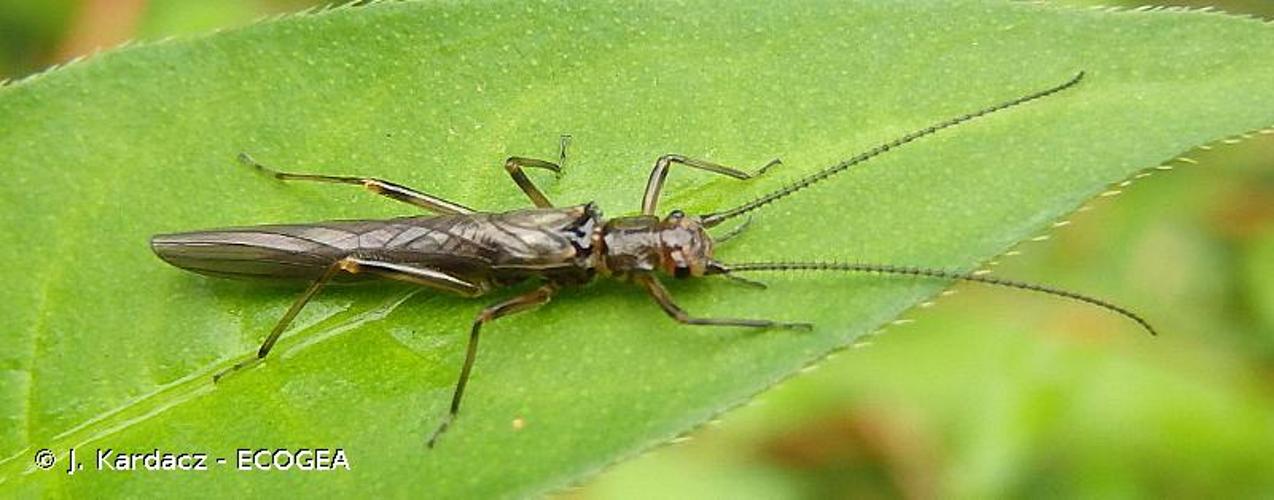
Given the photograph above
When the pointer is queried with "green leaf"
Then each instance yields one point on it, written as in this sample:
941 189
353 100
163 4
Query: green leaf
107 347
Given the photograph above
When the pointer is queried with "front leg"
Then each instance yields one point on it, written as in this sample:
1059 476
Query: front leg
655 184
664 299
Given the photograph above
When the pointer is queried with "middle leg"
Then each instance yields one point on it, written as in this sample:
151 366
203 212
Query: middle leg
515 164
529 300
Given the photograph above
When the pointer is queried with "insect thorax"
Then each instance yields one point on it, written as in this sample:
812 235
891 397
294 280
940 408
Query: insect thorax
677 246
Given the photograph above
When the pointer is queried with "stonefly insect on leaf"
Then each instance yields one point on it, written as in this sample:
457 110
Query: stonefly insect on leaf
470 253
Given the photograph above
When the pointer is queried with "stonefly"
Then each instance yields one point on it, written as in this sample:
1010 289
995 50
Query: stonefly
470 253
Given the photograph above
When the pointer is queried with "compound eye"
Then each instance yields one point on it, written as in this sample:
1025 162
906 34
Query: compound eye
676 215
681 272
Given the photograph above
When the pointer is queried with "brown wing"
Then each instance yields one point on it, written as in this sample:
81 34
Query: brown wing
280 251
469 245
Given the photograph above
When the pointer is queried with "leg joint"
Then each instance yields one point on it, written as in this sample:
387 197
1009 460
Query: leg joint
671 158
374 185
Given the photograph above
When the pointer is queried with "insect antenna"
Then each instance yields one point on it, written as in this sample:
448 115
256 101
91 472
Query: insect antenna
715 218
719 268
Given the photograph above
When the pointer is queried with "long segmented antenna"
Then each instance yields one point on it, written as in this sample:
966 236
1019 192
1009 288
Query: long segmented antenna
718 268
715 218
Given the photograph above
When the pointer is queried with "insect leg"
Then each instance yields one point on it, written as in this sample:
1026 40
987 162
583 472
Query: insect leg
514 166
402 272
381 187
520 303
285 320
664 299
417 275
660 172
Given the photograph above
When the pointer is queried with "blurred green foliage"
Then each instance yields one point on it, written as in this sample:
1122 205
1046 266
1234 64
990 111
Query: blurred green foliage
32 32
29 32
989 393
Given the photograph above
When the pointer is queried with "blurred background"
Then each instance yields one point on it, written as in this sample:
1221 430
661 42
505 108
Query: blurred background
988 393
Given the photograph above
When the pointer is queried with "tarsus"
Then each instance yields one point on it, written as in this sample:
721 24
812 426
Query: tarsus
931 273
715 218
